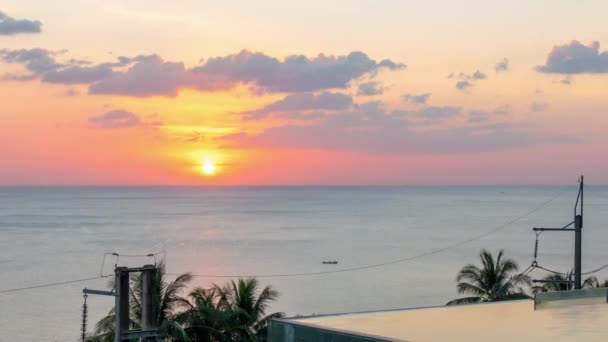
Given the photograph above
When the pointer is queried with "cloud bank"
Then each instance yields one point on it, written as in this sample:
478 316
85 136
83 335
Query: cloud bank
152 76
370 127
302 102
295 73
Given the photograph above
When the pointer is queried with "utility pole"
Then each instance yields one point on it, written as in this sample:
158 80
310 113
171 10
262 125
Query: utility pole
578 238
122 321
121 303
149 301
148 331
84 318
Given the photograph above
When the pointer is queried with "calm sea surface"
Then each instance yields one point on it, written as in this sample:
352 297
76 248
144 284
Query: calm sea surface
57 234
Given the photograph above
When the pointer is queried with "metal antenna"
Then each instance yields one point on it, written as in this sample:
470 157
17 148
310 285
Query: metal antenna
578 240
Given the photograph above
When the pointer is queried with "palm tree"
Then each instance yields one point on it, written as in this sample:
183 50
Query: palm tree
563 282
558 282
593 282
169 299
234 312
496 280
248 308
205 319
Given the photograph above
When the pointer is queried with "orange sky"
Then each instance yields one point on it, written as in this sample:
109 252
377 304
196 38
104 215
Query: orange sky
394 92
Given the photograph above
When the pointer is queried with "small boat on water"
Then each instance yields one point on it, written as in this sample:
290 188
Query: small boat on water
329 262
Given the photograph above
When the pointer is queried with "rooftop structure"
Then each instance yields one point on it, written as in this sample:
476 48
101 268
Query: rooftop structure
567 316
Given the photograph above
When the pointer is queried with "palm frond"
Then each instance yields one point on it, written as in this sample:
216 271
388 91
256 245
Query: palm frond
465 300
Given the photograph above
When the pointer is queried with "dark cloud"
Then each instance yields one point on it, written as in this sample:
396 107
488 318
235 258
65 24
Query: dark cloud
42 63
417 99
502 65
463 85
437 113
150 75
479 116
119 119
466 81
296 73
300 102
77 74
10 25
477 75
538 107
370 89
576 58
371 128
37 60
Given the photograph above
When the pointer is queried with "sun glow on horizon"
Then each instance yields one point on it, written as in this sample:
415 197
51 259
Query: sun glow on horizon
208 168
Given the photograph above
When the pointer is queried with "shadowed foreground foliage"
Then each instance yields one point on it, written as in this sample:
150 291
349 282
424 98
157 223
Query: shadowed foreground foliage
498 280
234 312
563 282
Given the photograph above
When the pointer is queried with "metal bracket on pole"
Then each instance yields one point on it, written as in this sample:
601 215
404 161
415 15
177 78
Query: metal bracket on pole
578 231
99 292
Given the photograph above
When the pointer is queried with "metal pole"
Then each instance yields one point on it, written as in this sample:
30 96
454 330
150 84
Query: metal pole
149 301
84 319
582 190
578 242
121 303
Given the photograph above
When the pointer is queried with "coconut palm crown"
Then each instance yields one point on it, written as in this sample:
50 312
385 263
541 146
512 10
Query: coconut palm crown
496 280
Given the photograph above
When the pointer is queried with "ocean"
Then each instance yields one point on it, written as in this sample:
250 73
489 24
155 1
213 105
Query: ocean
403 245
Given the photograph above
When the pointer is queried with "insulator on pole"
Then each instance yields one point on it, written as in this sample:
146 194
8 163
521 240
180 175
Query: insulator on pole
536 247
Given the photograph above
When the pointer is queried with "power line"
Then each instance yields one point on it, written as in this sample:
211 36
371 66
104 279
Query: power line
51 284
565 274
406 259
596 270
118 255
100 276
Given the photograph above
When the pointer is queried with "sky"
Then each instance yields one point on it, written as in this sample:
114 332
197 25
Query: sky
311 92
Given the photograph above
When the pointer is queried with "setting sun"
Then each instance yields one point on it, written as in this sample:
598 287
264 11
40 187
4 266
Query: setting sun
208 168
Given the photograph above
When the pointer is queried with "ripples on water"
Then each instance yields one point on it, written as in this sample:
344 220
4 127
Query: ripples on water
54 234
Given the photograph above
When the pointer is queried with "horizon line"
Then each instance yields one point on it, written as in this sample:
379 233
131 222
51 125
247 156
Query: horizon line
56 185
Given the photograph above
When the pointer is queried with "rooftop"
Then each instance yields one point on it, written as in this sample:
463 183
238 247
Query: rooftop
582 319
